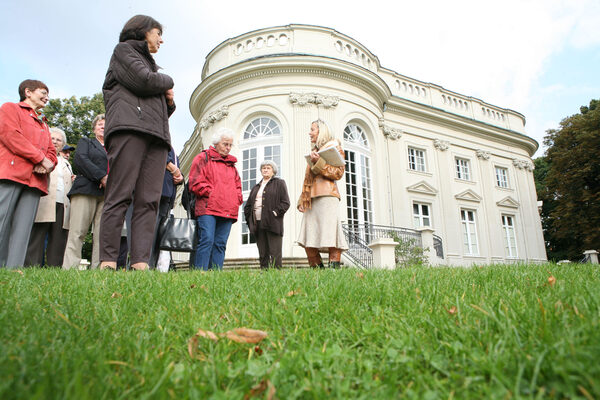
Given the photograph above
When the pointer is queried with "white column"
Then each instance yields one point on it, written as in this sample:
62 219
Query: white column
592 255
384 255
427 242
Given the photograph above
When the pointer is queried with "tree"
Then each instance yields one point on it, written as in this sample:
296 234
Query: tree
569 185
74 116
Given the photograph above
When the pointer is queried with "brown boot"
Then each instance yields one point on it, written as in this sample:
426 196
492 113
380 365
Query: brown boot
335 255
314 258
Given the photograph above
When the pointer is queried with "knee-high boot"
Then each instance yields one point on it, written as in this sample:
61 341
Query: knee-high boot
335 255
314 258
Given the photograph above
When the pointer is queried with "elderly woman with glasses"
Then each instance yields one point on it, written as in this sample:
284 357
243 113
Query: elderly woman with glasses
27 157
87 195
215 182
267 203
52 218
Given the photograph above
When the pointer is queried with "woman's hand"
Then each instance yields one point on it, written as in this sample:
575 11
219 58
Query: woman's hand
103 181
170 96
301 209
314 156
177 176
44 167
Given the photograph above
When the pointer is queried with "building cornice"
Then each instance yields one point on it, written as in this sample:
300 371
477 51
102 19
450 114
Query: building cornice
287 64
475 127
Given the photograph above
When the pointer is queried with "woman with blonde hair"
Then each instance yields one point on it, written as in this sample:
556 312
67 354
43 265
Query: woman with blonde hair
321 228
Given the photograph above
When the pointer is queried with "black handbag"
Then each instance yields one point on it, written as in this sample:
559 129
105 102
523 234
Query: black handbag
178 234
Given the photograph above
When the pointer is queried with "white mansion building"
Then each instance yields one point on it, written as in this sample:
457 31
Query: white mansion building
418 156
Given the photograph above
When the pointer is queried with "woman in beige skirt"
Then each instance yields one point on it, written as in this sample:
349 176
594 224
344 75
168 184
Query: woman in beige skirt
321 229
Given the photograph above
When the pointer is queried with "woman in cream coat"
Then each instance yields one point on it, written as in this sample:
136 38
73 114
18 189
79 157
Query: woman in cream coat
52 218
321 229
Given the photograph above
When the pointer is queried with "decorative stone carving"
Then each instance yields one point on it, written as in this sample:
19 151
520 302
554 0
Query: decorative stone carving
483 155
303 99
388 131
441 145
523 164
214 116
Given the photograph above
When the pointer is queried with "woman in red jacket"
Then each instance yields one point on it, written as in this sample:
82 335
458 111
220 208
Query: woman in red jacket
218 189
27 156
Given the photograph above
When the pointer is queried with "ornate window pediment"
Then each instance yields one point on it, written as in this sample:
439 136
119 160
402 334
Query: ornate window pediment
508 202
422 188
468 195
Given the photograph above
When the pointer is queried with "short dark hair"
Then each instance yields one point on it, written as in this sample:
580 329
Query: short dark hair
137 27
30 84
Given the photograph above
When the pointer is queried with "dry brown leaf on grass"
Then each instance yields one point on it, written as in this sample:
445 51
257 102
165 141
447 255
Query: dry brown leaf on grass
207 334
240 335
293 292
116 295
258 390
452 310
19 272
551 280
245 335
193 286
360 275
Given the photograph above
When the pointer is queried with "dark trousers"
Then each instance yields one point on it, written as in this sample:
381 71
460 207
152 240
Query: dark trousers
136 163
163 211
57 241
269 247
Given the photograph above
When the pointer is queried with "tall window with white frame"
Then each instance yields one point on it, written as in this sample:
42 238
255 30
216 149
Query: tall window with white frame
261 141
502 177
463 169
421 215
508 232
358 177
469 230
416 159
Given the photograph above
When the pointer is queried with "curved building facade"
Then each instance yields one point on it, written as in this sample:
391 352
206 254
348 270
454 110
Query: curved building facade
418 156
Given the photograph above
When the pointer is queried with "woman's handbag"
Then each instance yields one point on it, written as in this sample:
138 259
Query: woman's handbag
178 234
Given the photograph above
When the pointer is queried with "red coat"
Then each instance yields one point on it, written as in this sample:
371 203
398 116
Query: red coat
216 184
24 142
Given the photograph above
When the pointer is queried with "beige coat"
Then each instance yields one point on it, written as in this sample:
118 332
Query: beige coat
46 211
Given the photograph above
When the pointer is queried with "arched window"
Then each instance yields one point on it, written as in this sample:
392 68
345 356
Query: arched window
261 141
359 198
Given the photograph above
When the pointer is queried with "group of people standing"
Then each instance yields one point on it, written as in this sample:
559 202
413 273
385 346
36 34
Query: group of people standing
117 171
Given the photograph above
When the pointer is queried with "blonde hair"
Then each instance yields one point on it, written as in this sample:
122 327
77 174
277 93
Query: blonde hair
325 134
97 119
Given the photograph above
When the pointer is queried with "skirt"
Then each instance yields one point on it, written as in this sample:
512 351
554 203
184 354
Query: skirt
321 226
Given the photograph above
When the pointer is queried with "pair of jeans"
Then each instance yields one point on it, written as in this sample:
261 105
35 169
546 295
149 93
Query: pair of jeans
213 233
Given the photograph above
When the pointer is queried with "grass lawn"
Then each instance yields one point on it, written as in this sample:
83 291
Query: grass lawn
524 331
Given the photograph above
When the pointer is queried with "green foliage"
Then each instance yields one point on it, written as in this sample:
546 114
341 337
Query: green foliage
478 333
408 252
73 115
569 185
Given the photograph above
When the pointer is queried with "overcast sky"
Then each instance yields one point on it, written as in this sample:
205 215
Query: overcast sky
539 57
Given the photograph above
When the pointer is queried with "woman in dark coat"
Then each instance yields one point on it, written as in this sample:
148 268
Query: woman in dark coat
139 101
87 196
264 210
